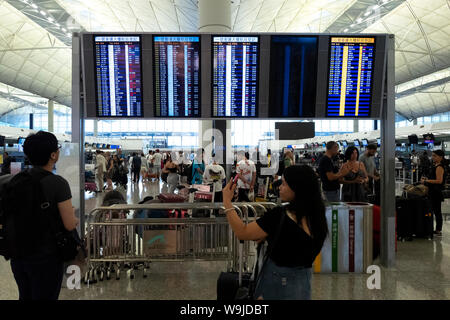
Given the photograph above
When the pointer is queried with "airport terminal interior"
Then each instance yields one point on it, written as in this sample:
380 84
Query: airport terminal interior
158 104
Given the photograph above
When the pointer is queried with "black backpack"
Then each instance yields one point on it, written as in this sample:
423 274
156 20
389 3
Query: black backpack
24 216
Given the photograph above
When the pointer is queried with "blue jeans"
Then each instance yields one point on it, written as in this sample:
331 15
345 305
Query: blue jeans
284 283
332 196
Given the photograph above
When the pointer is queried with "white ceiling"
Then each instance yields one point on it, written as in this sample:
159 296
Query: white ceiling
32 59
422 30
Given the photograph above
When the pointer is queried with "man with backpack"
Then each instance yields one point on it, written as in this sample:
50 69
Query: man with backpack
36 206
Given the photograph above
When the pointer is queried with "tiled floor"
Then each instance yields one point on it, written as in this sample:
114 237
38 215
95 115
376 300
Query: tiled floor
422 271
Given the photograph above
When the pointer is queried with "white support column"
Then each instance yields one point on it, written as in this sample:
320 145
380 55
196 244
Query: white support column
50 118
355 126
204 126
214 15
387 130
96 128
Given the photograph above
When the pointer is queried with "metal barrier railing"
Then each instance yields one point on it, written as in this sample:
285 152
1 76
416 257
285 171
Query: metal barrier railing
128 235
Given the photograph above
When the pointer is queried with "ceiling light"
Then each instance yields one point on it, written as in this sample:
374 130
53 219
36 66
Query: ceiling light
64 29
33 5
359 20
375 7
352 25
57 24
50 19
43 13
367 13
69 35
346 30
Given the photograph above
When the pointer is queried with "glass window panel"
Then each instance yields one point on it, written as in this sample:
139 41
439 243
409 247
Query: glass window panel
159 126
151 125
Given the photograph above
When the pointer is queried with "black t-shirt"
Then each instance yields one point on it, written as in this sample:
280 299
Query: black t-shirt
56 189
294 247
327 165
136 163
6 166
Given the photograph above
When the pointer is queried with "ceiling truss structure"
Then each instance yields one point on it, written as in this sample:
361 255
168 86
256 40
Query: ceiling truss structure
35 53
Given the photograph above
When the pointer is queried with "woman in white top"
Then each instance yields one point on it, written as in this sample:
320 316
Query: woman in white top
144 167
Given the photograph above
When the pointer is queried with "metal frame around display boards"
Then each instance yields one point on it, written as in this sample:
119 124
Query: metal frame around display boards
387 133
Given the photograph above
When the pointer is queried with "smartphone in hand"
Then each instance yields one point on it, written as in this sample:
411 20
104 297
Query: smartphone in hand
235 180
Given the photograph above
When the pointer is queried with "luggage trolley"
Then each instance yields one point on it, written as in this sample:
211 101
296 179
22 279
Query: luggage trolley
116 240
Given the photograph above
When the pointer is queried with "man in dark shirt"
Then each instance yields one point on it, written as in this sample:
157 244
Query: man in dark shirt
39 275
136 168
330 174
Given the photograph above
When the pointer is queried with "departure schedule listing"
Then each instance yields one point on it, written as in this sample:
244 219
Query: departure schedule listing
350 77
118 72
177 76
235 76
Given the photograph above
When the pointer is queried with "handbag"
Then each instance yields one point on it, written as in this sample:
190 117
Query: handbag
247 293
69 245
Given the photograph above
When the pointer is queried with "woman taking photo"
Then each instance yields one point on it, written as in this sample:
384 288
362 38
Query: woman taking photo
435 186
353 189
287 273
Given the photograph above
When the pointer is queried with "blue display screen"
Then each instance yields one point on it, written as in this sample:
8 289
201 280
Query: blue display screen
118 76
293 70
176 65
356 143
235 76
350 77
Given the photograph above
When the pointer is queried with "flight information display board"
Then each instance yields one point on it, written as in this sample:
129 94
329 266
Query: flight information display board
350 76
176 65
118 76
293 69
235 76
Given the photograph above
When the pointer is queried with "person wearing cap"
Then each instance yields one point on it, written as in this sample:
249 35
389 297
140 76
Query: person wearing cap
295 232
39 273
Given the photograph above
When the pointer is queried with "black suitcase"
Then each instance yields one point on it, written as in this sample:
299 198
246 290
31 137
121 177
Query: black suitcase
405 228
414 218
228 283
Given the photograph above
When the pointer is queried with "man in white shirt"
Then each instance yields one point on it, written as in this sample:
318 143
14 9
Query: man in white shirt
157 163
183 163
246 171
215 173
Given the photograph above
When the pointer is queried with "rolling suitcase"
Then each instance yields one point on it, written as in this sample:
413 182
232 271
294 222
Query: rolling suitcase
229 283
405 226
414 218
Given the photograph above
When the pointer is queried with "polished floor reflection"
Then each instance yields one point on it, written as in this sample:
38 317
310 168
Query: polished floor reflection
422 271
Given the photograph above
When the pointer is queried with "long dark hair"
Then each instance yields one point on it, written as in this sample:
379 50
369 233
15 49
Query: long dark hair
441 154
349 152
308 200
